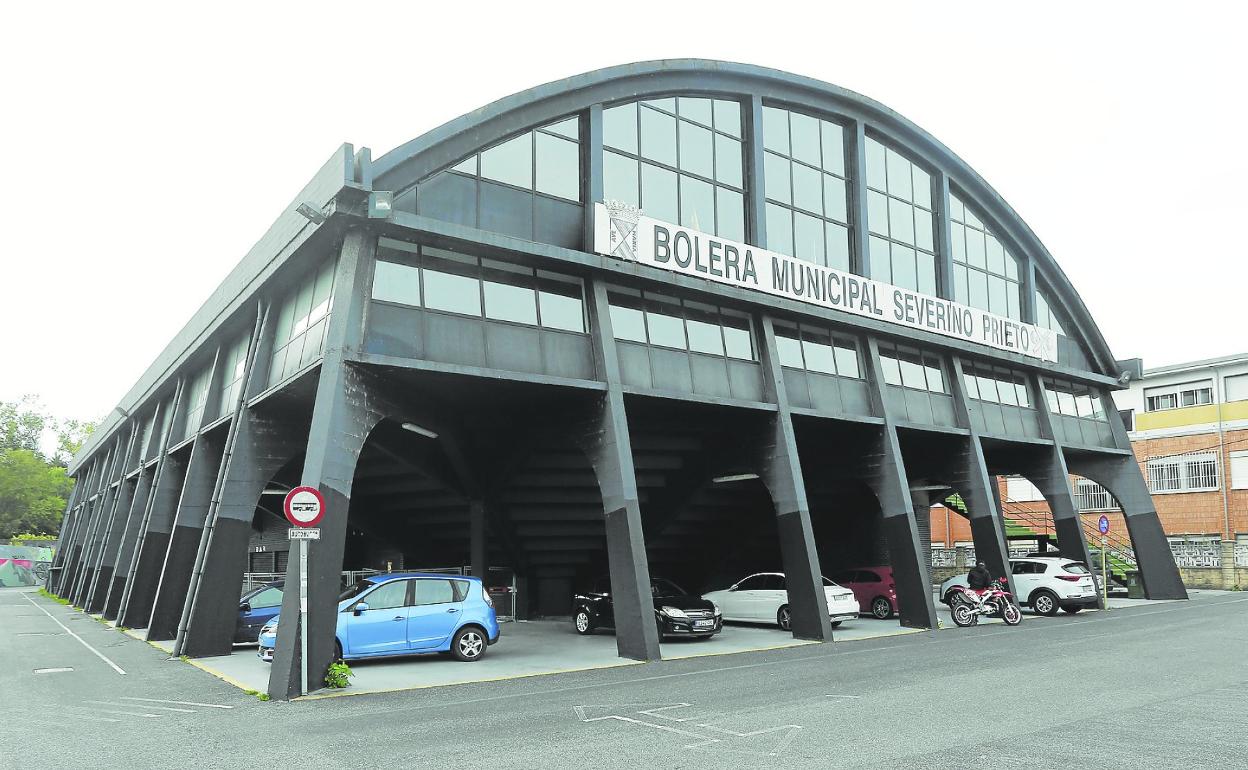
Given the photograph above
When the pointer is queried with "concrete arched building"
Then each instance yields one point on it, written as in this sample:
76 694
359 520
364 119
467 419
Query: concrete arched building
685 316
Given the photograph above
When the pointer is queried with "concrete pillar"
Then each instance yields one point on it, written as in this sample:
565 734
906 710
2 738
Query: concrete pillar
154 539
1227 564
782 475
128 542
608 445
103 579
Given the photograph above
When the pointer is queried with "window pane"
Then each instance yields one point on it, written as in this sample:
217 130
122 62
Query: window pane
619 178
730 214
807 188
995 255
695 109
819 357
926 265
728 117
876 174
1006 392
978 289
923 234
658 136
737 342
971 384
665 330
804 135
697 204
846 360
996 295
562 311
834 200
776 177
696 154
558 167
899 179
619 127
901 221
790 351
935 378
728 160
510 162
808 238
658 193
387 596
904 270
396 283
833 147
912 374
922 187
433 592
776 130
504 302
975 256
881 261
628 323
892 369
453 293
837 253
877 212
705 337
779 229
570 128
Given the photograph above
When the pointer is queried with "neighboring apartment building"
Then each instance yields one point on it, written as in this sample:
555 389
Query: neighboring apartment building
1188 425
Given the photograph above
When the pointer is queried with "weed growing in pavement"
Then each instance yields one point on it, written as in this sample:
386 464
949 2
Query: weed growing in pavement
184 658
338 675
258 694
48 595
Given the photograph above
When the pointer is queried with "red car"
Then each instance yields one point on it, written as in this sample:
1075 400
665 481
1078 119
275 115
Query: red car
873 587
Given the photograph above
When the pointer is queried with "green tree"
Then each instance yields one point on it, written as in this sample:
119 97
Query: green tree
22 424
70 436
32 493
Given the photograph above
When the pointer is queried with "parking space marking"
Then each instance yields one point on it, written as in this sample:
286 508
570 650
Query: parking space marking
855 697
98 654
178 702
129 705
53 670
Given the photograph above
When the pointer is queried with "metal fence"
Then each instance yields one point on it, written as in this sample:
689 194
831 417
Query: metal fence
1197 554
944 557
1241 554
253 580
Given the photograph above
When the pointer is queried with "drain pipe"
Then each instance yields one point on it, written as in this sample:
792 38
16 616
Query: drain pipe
214 505
1224 470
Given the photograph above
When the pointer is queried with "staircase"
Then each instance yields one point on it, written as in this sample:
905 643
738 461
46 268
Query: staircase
1024 524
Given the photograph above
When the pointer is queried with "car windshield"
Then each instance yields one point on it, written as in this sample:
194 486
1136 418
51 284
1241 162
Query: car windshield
355 590
661 587
829 584
1075 568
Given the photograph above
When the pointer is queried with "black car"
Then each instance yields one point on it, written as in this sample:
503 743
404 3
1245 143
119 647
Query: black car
676 612
257 607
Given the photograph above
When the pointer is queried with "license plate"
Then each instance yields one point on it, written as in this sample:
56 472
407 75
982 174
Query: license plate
703 624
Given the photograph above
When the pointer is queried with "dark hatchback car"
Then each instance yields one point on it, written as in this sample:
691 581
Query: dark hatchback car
257 607
676 611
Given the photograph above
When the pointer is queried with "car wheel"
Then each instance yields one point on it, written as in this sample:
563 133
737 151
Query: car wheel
583 622
835 623
881 608
1071 610
1044 602
784 618
469 644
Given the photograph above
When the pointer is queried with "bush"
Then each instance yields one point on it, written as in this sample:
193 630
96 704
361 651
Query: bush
338 675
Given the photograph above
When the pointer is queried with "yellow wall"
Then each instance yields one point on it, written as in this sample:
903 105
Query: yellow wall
1191 415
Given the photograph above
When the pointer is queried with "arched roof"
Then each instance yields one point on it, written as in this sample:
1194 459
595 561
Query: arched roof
417 159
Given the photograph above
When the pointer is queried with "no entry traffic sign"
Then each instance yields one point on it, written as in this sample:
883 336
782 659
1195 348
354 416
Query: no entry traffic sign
1102 525
304 506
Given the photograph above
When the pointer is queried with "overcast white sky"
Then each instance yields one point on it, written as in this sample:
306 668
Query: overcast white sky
149 147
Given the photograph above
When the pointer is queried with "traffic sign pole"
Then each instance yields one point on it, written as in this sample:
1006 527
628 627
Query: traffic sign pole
1103 526
304 508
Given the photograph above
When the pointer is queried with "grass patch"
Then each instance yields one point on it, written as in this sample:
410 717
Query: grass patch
48 595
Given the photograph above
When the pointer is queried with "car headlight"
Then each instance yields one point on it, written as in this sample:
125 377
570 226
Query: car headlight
674 612
269 628
715 606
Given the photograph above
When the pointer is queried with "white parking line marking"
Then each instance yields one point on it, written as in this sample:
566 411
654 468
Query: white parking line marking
52 670
179 703
131 713
127 705
98 654
855 697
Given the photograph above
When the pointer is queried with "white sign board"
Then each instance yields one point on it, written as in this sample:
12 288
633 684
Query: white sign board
621 231
297 533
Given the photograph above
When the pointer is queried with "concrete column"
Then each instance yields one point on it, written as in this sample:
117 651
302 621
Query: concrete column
885 472
101 520
1227 564
608 445
128 542
1121 476
64 536
782 475
106 564
348 405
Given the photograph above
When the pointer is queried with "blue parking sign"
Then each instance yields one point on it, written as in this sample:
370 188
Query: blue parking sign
1103 524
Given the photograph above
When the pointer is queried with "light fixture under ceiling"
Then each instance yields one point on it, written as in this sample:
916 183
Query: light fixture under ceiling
414 428
734 477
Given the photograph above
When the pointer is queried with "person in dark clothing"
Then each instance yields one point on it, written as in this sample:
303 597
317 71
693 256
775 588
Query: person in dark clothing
979 577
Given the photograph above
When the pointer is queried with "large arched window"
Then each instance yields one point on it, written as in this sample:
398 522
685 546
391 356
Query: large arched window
899 216
985 274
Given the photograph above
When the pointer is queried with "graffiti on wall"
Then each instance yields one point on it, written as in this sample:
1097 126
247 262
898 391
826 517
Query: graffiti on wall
24 565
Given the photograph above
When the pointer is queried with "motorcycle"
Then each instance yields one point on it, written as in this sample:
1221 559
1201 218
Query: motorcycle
995 601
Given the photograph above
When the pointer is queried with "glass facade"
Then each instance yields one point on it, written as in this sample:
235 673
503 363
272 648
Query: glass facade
817 349
680 160
1073 399
546 160
806 185
995 384
670 322
436 279
985 275
912 368
1045 317
196 398
301 323
899 217
234 364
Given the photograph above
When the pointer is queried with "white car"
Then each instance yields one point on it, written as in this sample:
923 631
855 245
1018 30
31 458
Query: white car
763 598
1044 583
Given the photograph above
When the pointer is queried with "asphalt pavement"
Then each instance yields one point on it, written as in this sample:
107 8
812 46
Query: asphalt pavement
1158 686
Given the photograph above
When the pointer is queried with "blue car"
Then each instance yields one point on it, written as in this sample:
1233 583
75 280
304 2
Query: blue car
257 607
406 614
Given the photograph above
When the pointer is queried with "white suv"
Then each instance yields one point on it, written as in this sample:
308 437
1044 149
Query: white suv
1043 583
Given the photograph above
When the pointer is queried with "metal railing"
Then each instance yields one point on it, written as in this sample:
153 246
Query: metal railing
253 580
